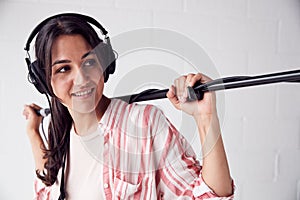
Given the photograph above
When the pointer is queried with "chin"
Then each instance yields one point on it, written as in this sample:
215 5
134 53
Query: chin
85 107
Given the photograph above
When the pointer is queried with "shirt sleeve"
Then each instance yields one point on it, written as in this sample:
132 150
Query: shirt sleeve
41 191
180 173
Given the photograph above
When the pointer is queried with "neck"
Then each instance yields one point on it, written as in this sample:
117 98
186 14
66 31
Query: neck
85 123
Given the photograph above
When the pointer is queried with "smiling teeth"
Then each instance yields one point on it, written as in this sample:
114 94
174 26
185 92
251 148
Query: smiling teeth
79 94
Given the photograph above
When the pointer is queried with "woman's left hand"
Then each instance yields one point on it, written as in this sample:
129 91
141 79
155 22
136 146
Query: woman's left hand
215 169
177 94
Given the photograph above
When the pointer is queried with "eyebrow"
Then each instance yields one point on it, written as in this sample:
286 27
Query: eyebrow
60 62
68 61
87 54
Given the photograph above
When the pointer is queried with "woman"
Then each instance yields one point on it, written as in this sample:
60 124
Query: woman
139 154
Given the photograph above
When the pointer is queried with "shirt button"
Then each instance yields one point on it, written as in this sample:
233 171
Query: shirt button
105 185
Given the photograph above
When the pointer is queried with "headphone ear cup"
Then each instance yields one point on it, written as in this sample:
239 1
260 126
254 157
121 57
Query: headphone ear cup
107 59
37 78
111 62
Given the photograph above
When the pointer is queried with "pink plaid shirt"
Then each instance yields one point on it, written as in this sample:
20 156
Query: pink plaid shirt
144 157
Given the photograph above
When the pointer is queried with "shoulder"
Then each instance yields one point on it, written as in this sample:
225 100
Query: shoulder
133 116
135 110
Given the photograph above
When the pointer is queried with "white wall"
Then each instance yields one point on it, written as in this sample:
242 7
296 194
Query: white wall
242 37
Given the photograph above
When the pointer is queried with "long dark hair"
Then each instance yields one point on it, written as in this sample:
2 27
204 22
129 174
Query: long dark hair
61 120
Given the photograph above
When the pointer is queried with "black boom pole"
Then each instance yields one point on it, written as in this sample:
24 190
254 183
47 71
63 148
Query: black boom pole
219 84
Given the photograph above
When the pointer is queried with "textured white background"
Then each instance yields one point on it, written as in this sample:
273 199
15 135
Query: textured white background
242 37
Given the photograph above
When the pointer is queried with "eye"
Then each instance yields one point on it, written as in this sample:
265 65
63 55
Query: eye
63 69
89 63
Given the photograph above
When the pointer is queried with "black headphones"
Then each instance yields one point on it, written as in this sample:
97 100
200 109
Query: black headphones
35 74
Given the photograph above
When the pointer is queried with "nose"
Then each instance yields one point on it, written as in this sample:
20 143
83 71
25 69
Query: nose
81 77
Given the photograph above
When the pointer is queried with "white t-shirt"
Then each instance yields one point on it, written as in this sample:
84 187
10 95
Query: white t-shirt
84 169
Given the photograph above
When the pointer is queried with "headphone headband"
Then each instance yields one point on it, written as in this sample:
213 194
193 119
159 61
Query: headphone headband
36 75
85 17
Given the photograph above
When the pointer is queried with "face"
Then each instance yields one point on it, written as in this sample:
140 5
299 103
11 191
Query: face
77 77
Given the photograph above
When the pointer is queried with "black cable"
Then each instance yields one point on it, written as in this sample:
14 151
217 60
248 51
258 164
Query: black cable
42 124
62 195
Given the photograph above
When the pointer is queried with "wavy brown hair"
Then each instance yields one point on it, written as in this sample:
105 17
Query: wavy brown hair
61 120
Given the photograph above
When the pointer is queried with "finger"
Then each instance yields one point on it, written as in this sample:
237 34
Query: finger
205 78
189 78
25 112
27 108
35 107
180 88
172 97
194 78
171 92
30 110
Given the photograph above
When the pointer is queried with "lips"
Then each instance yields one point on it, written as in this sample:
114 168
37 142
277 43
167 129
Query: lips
83 93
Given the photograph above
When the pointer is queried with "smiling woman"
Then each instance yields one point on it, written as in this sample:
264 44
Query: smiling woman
55 72
137 152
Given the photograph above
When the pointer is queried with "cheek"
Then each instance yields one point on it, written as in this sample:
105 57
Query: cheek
98 78
60 87
100 85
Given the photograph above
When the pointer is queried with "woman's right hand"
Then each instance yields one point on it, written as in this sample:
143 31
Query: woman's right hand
37 144
33 119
